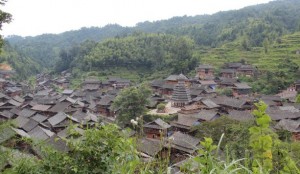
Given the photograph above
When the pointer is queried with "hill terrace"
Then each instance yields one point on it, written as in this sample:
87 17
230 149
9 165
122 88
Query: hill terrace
45 114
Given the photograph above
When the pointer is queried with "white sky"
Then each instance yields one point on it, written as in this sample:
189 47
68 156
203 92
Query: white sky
35 17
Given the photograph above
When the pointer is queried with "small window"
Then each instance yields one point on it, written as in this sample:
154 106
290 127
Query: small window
206 71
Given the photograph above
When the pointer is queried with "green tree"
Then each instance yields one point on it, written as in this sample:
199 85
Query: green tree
266 45
298 98
4 18
131 103
103 149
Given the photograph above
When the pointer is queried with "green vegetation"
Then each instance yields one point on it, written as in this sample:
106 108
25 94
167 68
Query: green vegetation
131 102
24 66
106 149
4 18
266 36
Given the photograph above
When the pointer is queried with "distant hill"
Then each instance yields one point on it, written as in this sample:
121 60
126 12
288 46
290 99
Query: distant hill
45 48
265 35
254 24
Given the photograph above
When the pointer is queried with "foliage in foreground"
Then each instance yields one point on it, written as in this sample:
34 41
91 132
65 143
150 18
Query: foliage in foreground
103 150
106 149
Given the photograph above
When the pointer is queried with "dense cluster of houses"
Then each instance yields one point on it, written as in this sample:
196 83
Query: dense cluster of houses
45 114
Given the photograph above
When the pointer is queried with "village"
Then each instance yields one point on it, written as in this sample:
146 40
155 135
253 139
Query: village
44 114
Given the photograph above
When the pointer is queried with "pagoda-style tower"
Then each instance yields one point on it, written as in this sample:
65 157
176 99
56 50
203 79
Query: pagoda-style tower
181 94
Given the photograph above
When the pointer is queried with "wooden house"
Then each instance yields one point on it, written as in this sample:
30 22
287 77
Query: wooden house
205 72
62 83
167 89
91 84
233 65
228 103
157 85
182 146
103 107
272 100
13 91
149 148
6 115
290 125
4 98
228 73
60 121
246 70
156 129
241 89
122 83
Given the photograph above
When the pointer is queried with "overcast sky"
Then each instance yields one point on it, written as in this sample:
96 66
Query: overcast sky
35 17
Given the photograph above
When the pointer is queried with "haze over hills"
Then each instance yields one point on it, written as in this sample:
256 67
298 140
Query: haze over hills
262 35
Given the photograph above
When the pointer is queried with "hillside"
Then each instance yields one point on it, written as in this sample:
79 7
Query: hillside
24 66
45 48
265 35
254 23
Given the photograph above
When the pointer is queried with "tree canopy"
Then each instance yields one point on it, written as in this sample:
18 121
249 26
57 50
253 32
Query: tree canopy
131 103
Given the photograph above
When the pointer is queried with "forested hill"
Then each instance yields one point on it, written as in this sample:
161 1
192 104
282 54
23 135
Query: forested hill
265 35
45 48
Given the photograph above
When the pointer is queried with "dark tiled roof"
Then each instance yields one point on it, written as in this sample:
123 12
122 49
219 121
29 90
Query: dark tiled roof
176 77
229 102
157 83
234 65
289 125
39 118
60 107
91 86
40 133
21 121
7 114
65 133
242 86
14 102
185 122
150 147
207 115
240 115
246 68
58 118
209 104
19 99
207 82
68 91
232 71
26 113
168 86
57 143
41 107
204 67
277 114
106 100
184 142
228 81
31 124
157 124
